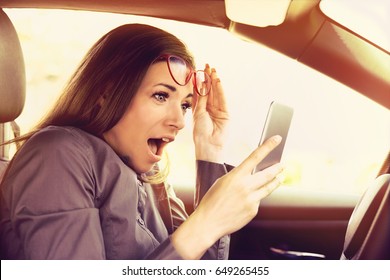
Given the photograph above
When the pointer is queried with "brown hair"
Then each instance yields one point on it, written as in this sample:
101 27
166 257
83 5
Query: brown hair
113 68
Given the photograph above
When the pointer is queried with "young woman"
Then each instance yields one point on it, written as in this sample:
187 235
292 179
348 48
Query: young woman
86 185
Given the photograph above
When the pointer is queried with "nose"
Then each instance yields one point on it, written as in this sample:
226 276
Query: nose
176 117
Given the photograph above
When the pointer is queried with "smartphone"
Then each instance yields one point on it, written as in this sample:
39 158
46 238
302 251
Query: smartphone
277 123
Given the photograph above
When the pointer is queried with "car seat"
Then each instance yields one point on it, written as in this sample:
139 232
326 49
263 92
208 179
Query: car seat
12 81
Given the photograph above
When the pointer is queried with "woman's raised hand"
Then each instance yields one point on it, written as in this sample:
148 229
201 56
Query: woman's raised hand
210 119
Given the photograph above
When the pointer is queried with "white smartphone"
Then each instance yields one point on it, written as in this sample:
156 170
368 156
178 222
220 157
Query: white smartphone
277 123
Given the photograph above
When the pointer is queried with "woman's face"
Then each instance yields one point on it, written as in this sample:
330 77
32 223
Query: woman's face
152 120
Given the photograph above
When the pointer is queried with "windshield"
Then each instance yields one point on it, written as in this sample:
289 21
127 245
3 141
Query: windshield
337 137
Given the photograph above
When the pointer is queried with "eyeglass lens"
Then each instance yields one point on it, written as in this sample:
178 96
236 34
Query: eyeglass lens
179 70
202 82
181 73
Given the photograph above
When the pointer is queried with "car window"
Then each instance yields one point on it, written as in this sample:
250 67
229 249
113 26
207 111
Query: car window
338 138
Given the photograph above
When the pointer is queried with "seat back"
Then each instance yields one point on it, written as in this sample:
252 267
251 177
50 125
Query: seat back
12 82
12 72
368 232
12 77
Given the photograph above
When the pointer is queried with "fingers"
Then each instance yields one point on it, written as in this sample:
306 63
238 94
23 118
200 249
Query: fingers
215 100
268 188
199 103
217 96
259 154
212 94
267 175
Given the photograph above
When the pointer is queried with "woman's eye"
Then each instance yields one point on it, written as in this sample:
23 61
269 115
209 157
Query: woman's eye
161 96
186 106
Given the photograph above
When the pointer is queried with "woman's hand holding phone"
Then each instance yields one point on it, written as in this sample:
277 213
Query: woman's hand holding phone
231 203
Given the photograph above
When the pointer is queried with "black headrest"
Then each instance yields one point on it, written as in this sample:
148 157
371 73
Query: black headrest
12 72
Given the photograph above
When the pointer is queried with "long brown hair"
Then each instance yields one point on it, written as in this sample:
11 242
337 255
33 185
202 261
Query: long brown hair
113 68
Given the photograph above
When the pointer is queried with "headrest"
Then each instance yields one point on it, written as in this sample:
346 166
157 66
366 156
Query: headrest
12 72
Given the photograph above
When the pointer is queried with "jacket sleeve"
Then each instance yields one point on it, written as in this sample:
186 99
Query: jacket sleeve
52 208
207 174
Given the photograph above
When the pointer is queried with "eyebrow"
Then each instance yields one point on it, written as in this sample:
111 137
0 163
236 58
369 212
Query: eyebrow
172 88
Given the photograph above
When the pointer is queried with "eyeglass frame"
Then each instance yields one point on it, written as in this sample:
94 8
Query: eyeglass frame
191 74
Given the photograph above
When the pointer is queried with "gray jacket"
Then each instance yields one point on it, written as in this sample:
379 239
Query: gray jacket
68 195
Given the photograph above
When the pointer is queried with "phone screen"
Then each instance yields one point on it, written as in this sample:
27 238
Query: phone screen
277 123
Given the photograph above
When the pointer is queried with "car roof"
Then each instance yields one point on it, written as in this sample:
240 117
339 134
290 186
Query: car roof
306 35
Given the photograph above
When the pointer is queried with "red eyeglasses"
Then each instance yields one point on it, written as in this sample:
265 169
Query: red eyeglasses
182 73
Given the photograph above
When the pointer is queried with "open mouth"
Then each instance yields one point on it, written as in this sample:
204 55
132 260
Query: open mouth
156 145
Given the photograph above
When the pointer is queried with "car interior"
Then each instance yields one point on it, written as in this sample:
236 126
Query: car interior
292 223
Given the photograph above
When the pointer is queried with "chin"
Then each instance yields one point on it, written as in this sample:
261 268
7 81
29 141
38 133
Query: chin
139 169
